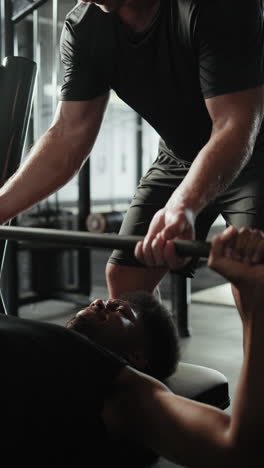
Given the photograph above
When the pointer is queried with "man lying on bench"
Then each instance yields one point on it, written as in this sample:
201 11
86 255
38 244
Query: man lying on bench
54 390
54 380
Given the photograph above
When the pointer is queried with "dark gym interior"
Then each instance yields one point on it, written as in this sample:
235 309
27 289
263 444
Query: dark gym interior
48 283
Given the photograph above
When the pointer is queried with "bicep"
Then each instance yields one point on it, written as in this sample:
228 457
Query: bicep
242 110
80 119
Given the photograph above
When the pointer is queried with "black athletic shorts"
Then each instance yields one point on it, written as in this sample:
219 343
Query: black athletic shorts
241 205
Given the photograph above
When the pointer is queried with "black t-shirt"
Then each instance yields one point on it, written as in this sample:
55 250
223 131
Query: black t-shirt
53 384
194 49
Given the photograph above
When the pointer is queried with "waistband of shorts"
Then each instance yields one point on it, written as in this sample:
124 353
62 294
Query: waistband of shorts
165 149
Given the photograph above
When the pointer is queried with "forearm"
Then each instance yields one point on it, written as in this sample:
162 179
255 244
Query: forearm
247 427
52 162
238 257
214 169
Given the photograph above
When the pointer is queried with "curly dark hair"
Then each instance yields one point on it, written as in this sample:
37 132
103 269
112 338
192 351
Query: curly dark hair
162 342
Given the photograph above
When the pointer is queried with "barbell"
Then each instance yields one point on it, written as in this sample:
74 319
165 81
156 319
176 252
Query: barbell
80 239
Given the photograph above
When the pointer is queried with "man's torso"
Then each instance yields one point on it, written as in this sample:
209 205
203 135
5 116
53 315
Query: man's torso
166 73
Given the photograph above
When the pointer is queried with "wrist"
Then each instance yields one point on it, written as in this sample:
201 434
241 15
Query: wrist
176 207
180 202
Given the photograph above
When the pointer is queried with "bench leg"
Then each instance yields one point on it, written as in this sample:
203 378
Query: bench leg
180 300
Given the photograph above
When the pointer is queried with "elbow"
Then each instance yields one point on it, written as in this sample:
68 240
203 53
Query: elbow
242 453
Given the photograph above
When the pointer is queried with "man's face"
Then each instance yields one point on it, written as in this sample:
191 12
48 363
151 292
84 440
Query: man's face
112 323
107 5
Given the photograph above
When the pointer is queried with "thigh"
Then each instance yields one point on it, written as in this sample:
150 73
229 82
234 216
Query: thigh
152 193
242 204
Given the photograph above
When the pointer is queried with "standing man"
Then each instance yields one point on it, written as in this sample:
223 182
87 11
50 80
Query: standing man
194 70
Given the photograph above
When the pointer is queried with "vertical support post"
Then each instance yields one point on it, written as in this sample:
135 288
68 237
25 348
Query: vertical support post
180 300
6 29
55 49
7 250
36 58
139 146
54 55
10 280
84 209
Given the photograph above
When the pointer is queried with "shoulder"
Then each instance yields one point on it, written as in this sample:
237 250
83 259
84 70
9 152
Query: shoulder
83 19
218 21
81 33
185 14
212 11
79 13
220 15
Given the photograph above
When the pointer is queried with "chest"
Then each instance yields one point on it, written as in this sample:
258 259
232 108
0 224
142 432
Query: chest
156 67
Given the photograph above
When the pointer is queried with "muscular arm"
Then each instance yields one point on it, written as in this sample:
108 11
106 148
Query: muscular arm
236 119
231 79
55 158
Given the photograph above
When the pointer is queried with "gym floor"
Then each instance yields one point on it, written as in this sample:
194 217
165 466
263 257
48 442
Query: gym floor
215 340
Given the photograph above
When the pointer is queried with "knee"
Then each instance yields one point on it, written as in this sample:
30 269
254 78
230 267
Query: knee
112 272
116 279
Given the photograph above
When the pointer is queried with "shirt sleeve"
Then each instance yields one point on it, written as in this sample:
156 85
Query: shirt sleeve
230 38
81 57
